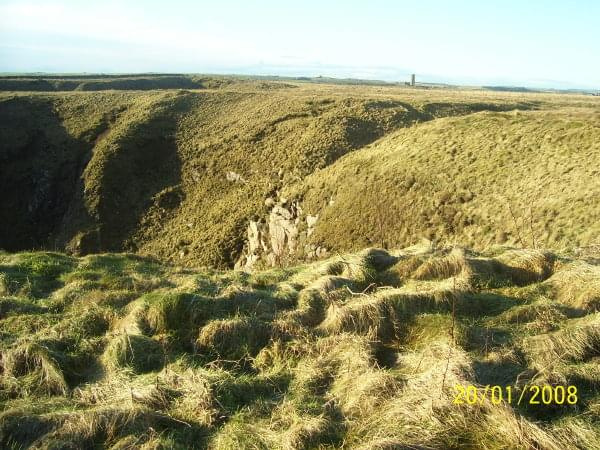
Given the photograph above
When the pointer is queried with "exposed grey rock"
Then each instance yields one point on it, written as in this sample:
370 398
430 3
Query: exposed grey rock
283 230
234 177
256 237
321 252
311 221
276 238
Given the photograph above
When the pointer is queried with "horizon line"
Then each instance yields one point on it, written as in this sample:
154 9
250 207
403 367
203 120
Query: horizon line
435 80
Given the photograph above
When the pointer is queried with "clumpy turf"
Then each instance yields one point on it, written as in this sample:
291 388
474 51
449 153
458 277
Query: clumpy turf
361 350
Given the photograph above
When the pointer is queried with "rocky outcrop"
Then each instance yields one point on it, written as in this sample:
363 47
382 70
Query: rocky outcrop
234 177
280 238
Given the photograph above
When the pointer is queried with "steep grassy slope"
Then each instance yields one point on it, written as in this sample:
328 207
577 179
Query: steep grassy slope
359 351
180 174
524 178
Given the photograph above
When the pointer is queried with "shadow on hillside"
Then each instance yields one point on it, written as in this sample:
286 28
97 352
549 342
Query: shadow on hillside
437 110
39 169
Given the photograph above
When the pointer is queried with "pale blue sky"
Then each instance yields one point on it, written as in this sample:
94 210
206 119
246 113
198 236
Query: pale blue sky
527 43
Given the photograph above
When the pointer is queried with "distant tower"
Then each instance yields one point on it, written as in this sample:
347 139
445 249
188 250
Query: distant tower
412 79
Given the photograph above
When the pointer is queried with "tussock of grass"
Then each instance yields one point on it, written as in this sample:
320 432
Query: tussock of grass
137 352
305 432
17 306
196 401
130 273
527 266
385 313
580 433
364 266
280 356
358 385
452 265
428 329
106 425
470 271
235 338
540 317
35 367
18 428
371 317
311 307
401 417
406 266
577 341
167 313
578 285
135 320
32 275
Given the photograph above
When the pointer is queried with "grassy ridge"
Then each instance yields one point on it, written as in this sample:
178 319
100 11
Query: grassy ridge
91 83
362 350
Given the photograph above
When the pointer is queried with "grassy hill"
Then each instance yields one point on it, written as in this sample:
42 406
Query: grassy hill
521 177
362 350
184 175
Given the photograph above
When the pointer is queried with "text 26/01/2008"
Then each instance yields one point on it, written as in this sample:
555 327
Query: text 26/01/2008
531 394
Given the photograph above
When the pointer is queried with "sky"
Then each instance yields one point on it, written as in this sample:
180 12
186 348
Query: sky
519 43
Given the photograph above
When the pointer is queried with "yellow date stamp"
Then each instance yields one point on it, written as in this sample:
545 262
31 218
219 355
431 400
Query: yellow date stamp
528 395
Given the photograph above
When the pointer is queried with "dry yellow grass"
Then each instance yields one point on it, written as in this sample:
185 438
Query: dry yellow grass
321 355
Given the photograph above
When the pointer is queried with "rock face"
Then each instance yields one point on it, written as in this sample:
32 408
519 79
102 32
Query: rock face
280 237
256 244
283 229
